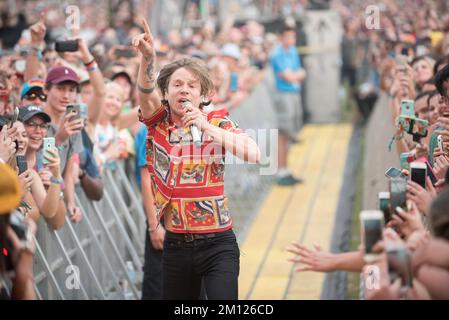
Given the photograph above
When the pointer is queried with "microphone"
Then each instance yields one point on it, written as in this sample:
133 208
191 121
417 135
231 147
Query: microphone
193 128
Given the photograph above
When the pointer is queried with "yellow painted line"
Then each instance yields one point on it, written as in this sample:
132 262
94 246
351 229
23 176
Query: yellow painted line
258 238
308 285
274 277
265 272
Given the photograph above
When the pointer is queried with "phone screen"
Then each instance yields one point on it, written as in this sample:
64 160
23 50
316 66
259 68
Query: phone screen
372 232
384 206
398 190
418 175
21 164
393 173
64 46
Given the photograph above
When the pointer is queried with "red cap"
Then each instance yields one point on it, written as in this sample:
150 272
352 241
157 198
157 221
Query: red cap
61 74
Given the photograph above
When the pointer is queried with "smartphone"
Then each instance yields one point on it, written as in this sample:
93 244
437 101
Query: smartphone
372 225
66 46
418 173
49 144
125 53
440 142
80 110
384 205
399 264
398 193
407 108
22 164
402 59
394 173
15 116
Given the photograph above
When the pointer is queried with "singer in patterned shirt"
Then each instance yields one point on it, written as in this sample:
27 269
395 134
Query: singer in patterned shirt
187 181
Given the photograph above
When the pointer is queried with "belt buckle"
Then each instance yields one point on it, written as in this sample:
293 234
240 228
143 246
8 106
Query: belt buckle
188 237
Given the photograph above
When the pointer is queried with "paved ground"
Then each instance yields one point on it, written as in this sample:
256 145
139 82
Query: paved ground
303 213
377 157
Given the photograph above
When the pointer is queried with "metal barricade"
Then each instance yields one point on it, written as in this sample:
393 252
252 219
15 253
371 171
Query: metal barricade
92 259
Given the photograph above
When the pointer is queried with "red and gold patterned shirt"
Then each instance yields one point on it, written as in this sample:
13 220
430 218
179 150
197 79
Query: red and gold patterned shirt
188 182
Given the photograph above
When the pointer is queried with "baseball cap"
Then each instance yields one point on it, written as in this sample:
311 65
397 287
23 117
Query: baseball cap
231 50
60 74
27 112
31 84
116 71
9 189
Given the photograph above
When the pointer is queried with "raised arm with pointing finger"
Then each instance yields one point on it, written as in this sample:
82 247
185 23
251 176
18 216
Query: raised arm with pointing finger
149 98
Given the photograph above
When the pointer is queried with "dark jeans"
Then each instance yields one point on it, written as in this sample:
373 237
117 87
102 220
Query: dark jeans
214 260
152 272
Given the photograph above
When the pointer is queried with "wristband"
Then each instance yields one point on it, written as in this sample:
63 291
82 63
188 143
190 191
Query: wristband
149 229
56 180
90 62
38 52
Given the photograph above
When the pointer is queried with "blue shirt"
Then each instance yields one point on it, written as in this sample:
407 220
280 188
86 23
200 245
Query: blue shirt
282 60
141 152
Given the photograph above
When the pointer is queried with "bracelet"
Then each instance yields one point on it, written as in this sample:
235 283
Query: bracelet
149 229
145 90
56 180
90 62
37 50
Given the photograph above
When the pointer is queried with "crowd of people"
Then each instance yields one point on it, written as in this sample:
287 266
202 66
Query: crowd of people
408 61
69 109
71 100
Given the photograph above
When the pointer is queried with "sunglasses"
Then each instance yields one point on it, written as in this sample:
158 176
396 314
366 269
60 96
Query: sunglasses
34 96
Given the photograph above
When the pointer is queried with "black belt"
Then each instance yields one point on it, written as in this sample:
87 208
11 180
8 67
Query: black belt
189 237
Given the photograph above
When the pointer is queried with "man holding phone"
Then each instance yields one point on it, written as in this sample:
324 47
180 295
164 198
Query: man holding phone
61 87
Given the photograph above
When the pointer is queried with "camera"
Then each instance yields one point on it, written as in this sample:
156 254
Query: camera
80 110
384 205
372 224
66 46
418 173
398 191
408 108
125 52
49 144
409 123
22 164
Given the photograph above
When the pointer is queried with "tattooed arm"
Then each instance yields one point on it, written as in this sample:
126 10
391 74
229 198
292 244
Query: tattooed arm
146 81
